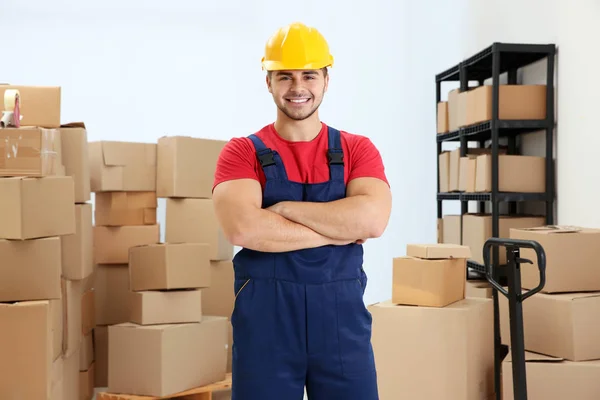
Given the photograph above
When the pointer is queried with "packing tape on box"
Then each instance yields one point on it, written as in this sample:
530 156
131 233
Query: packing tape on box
10 99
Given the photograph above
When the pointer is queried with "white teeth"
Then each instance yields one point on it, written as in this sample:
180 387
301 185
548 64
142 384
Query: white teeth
298 100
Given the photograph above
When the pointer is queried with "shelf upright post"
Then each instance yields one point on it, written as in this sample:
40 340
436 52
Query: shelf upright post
495 213
550 171
512 140
464 86
438 97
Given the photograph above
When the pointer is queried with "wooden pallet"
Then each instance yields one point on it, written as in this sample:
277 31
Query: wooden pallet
200 393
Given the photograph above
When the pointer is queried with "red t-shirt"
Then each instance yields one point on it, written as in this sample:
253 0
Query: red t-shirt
305 162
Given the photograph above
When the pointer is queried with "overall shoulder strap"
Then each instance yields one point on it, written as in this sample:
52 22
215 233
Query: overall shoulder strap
335 155
269 160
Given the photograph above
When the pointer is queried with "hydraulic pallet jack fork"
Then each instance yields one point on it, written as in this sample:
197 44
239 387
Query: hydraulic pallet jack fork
515 296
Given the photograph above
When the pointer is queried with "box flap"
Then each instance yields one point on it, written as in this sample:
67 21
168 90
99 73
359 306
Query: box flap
535 357
73 125
438 250
115 153
550 229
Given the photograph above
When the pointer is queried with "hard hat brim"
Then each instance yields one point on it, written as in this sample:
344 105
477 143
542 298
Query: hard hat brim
280 66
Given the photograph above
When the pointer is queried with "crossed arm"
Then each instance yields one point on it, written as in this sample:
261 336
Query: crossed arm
288 226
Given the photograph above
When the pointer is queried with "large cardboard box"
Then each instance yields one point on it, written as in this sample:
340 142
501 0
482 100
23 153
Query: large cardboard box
112 294
125 208
40 105
26 349
571 258
166 307
442 117
218 299
550 378
430 275
36 207
195 221
112 243
477 229
122 166
58 329
169 266
160 360
77 249
431 353
515 102
30 151
558 325
76 159
186 166
510 174
30 269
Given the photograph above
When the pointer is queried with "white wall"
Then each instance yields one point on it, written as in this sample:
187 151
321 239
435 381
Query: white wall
574 27
138 70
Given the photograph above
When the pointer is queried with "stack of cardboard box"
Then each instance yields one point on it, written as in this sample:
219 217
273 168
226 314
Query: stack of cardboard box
123 178
430 340
561 324
45 243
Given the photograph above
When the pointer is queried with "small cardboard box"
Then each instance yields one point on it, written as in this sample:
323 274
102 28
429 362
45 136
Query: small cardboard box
39 105
166 307
33 208
444 171
467 175
186 166
510 174
160 360
551 378
195 221
30 269
112 243
169 266
442 117
125 208
77 249
451 230
75 157
571 258
30 151
430 353
122 166
438 251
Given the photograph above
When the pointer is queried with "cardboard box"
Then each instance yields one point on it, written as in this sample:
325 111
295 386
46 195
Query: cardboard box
186 166
30 269
558 325
71 376
444 171
453 110
26 348
510 174
442 117
101 356
571 258
440 230
437 251
112 294
516 102
77 249
86 384
195 221
33 208
218 299
169 266
125 208
477 228
86 353
452 347
551 378
57 384
467 173
451 230
122 166
160 360
73 313
76 159
112 244
454 171
40 105
30 151
454 178
88 312
166 307
479 289
58 329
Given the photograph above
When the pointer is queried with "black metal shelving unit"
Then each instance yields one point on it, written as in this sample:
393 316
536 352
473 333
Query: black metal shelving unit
493 61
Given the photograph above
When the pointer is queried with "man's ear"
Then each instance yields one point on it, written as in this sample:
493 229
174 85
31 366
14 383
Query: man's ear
268 80
326 82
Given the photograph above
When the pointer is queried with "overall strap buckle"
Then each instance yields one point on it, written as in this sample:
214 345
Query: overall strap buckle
266 158
335 156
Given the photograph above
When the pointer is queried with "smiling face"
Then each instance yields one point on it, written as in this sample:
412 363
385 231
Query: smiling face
298 94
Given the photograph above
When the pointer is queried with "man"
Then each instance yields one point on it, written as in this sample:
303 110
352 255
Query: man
300 198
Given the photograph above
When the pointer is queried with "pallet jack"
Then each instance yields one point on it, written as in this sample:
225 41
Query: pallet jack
515 296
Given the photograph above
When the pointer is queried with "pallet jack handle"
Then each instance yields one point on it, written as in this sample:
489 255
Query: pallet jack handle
516 296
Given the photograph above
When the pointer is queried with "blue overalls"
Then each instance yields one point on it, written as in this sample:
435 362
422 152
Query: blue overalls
299 317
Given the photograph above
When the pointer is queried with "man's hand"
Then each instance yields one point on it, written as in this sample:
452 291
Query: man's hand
238 207
364 213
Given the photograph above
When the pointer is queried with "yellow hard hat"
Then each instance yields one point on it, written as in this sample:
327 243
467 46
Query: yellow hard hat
296 46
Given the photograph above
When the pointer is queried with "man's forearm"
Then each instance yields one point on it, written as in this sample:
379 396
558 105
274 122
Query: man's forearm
267 231
348 218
